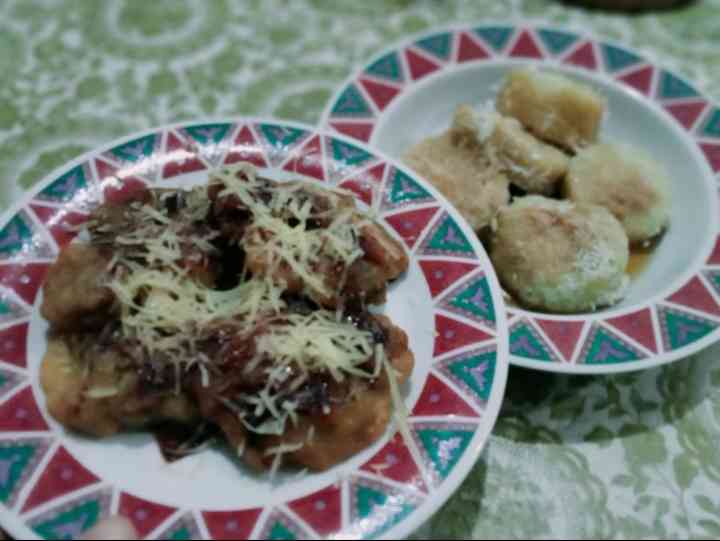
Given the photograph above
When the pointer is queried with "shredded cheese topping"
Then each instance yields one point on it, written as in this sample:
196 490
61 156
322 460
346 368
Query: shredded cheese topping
282 232
166 309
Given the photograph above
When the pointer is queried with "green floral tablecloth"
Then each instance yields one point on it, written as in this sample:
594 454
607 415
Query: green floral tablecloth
594 457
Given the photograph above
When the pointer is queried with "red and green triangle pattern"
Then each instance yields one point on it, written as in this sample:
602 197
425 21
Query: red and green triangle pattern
9 381
638 326
473 372
19 459
473 300
226 525
321 510
395 462
469 49
11 310
68 186
672 87
525 341
447 238
376 507
24 279
713 278
680 328
211 140
179 157
280 140
281 526
525 46
711 125
641 79
352 104
357 130
13 345
442 445
365 184
563 334
182 529
380 93
694 294
686 112
145 515
308 160
583 56
20 413
345 159
712 155
245 148
437 399
441 274
497 37
555 41
451 334
402 190
135 151
438 45
388 67
61 222
617 58
603 346
419 65
137 157
62 475
207 134
72 519
714 257
22 237
122 184
410 224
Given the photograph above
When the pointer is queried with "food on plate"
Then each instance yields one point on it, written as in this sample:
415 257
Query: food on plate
243 303
75 297
553 107
627 182
94 387
559 256
576 206
530 164
463 174
314 261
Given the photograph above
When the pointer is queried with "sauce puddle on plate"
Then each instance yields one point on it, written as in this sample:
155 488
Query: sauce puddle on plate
640 256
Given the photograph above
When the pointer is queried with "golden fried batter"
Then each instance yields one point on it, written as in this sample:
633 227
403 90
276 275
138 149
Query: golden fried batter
530 164
345 429
557 256
353 426
105 396
464 175
553 107
75 297
627 182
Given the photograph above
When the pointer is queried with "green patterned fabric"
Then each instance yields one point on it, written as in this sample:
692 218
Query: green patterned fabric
589 457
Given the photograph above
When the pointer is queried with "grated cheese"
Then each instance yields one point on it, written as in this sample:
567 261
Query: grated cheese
166 310
278 451
272 238
97 393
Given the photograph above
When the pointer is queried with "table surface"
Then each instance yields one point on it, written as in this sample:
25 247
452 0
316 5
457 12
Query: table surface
587 457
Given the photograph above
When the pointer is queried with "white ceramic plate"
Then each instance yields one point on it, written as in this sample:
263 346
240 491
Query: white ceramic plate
55 484
409 91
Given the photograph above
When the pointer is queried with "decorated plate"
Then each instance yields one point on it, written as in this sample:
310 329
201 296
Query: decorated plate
672 310
55 484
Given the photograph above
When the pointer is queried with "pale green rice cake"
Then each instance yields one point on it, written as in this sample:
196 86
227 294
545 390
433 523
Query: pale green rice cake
627 182
557 256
